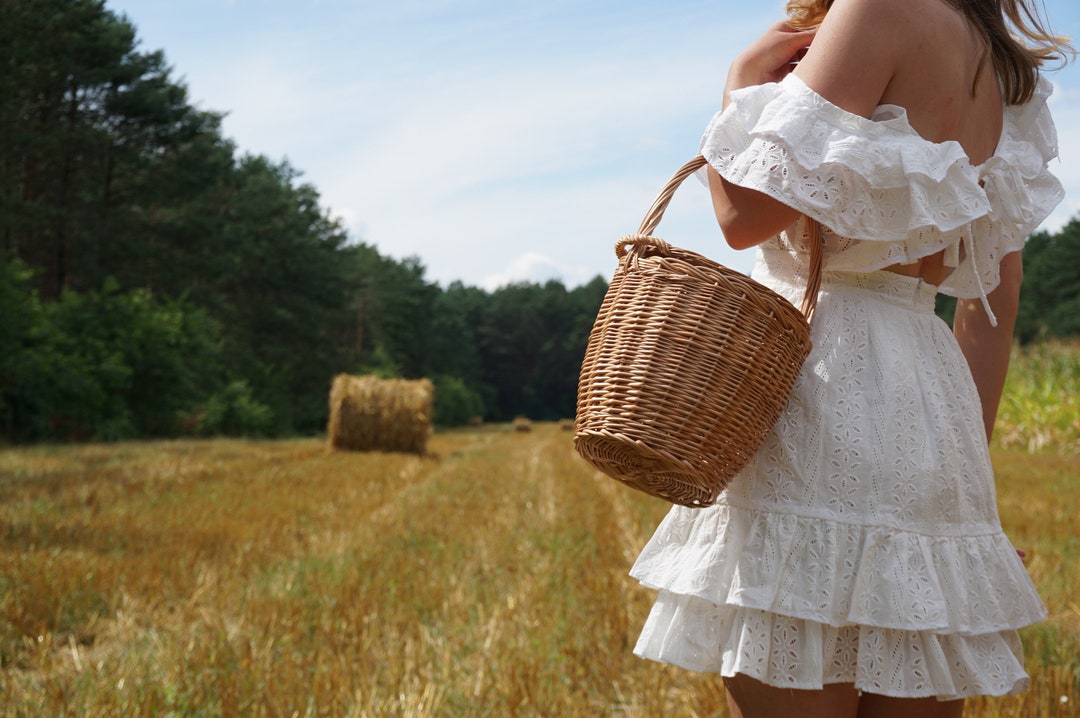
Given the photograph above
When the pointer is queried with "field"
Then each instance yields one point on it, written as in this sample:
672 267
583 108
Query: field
237 578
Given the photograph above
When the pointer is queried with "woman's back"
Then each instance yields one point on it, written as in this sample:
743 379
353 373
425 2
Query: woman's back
928 58
947 82
924 56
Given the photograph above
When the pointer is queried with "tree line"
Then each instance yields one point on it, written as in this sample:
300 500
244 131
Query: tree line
156 282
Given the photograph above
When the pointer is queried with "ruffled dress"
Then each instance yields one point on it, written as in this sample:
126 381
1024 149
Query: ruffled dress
862 544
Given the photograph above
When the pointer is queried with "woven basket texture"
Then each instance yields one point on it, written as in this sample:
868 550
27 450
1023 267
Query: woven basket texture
688 367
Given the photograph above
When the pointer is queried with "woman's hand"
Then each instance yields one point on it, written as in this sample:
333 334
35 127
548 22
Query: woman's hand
770 58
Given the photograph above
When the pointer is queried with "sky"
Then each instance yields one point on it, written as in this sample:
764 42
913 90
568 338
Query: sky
496 140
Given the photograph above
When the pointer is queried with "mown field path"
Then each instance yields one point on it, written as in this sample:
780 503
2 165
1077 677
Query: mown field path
488 578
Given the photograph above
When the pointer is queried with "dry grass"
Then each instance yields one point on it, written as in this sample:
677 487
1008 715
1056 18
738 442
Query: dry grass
227 578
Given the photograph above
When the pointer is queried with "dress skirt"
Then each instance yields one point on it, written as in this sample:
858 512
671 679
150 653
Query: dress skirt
862 544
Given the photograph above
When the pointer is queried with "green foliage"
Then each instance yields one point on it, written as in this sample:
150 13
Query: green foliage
233 411
945 307
282 294
21 325
105 365
456 402
531 339
1050 298
393 306
1040 405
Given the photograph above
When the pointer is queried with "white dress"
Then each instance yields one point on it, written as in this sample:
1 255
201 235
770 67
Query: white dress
862 544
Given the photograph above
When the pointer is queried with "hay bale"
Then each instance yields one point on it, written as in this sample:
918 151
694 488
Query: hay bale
372 414
566 424
476 421
522 423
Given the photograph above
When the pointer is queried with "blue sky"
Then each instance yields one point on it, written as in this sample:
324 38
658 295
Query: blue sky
496 140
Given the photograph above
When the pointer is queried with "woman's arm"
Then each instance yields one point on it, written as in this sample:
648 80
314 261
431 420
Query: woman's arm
853 57
748 217
986 347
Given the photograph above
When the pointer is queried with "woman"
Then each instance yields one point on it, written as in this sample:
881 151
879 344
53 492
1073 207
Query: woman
858 566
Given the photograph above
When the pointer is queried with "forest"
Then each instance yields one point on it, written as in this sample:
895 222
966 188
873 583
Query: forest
156 282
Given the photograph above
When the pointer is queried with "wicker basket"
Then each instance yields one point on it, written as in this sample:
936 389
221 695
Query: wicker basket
688 366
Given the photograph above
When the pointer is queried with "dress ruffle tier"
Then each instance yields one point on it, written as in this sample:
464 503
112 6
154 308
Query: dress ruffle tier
893 195
841 573
798 653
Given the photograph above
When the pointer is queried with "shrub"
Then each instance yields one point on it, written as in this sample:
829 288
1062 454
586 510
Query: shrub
232 411
102 365
456 403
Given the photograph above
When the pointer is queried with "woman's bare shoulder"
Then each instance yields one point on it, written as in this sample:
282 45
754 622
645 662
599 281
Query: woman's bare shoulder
862 45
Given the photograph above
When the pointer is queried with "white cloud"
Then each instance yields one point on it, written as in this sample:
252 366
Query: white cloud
529 267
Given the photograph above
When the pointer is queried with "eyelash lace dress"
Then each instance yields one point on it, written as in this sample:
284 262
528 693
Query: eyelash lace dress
862 544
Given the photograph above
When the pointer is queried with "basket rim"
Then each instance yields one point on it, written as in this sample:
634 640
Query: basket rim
650 253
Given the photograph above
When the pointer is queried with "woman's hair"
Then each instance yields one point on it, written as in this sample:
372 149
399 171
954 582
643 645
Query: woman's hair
1019 42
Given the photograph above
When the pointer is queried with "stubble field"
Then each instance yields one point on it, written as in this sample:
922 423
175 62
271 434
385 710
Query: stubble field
238 578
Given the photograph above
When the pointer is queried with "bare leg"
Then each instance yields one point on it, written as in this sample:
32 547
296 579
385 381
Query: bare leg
750 698
872 705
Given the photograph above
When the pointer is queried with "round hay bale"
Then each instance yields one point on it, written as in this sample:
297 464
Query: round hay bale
372 414
566 424
522 423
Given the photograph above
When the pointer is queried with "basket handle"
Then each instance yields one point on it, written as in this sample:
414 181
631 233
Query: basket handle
660 205
813 278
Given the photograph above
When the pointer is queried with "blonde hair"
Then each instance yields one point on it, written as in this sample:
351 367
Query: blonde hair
803 14
1019 41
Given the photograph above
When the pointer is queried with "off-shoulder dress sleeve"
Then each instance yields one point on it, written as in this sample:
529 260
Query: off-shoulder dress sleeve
876 181
1021 191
